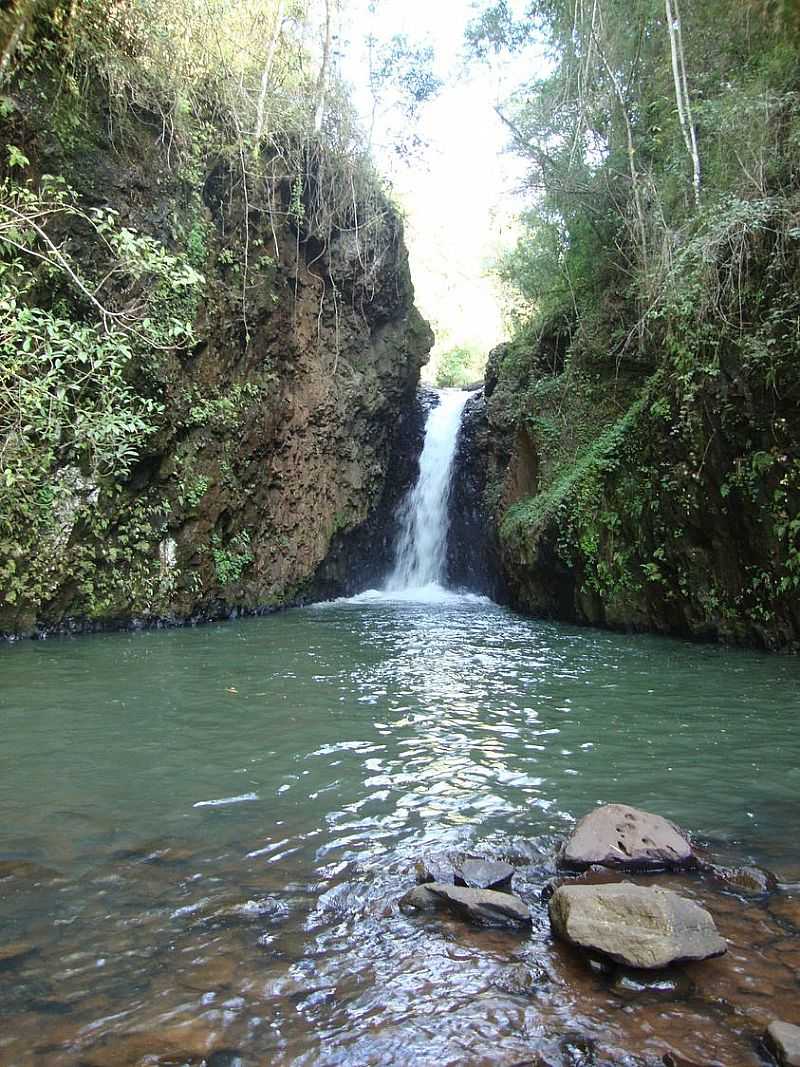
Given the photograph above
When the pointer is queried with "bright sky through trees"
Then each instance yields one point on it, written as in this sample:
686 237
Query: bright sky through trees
457 192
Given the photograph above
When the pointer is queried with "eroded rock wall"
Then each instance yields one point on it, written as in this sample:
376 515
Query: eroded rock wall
679 517
473 548
280 422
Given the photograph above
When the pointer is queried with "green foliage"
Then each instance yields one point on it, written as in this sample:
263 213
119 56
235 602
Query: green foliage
195 489
655 366
225 413
231 561
216 133
74 421
457 367
16 158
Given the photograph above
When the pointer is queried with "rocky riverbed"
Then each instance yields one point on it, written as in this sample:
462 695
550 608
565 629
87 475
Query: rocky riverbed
167 954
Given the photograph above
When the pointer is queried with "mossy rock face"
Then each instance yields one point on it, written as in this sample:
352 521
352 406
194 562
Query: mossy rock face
648 503
279 419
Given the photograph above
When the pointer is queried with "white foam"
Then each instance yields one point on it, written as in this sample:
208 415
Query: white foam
432 593
241 799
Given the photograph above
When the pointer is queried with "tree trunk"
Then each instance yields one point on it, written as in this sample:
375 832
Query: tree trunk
631 148
265 75
13 26
682 93
322 80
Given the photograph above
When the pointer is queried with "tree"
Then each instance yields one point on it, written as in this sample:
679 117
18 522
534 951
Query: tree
682 92
267 71
324 68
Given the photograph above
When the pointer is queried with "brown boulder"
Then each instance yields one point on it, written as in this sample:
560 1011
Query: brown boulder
482 906
616 835
636 925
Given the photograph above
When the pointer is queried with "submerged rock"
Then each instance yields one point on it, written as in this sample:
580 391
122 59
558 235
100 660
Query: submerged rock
783 1040
787 910
12 955
485 874
750 881
482 906
185 1042
16 874
635 925
215 973
233 912
470 871
667 984
616 835
521 979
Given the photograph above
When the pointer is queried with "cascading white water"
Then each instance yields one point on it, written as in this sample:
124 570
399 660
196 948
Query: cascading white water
422 544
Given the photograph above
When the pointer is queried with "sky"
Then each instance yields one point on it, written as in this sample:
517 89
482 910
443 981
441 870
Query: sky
460 197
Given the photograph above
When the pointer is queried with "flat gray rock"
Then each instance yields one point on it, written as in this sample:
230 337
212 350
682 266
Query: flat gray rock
639 926
625 838
454 868
420 898
784 1040
439 867
482 906
484 874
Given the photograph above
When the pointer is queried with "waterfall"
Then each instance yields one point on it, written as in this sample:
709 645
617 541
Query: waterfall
422 542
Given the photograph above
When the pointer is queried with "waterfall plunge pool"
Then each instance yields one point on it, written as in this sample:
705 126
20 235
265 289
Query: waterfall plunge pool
206 833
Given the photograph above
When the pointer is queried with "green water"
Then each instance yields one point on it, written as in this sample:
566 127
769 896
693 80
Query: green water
308 758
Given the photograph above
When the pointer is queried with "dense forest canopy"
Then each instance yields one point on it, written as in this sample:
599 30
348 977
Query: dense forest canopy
652 119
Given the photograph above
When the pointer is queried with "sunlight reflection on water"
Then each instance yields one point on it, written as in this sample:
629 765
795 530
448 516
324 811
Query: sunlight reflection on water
232 813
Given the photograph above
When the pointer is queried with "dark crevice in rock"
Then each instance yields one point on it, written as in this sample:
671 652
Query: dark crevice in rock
473 551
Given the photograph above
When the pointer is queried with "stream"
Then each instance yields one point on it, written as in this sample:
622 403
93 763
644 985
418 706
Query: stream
206 834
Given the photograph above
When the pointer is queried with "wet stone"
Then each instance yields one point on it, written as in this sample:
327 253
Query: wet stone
485 874
786 909
749 881
594 875
263 909
482 906
454 868
521 979
631 985
641 927
672 1059
578 1052
212 974
599 965
626 838
13 955
154 852
22 874
191 1043
226 1058
438 867
783 1040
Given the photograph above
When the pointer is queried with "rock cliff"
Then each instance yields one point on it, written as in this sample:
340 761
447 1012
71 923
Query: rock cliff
277 421
678 516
